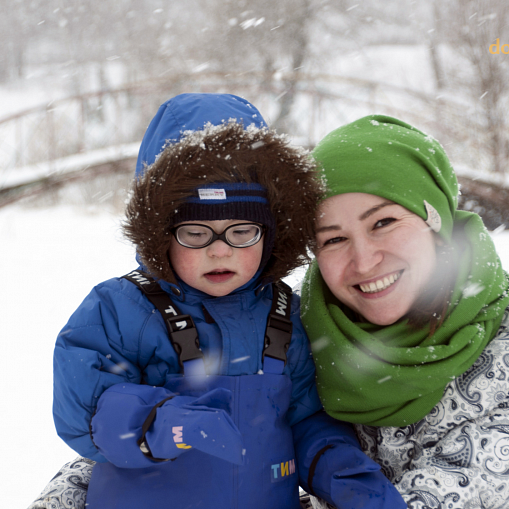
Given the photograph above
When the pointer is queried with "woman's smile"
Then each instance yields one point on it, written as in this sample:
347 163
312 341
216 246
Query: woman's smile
378 285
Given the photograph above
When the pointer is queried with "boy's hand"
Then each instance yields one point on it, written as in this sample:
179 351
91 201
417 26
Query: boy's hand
202 423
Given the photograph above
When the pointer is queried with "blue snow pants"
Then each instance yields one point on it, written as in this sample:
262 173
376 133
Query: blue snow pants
268 478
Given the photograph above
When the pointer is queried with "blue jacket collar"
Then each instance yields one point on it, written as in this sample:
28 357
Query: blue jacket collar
185 293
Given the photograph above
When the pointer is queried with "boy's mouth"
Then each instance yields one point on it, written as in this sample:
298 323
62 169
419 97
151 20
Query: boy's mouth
219 276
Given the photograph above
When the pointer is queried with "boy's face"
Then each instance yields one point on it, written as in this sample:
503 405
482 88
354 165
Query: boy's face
217 269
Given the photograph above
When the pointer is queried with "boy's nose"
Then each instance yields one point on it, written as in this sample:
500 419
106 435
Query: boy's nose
219 249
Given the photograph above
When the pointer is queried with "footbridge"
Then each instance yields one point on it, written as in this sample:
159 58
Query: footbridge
81 137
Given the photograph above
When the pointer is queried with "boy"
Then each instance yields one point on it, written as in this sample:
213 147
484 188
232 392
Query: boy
189 381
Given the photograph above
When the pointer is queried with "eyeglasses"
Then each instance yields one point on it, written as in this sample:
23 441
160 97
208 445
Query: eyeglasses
196 236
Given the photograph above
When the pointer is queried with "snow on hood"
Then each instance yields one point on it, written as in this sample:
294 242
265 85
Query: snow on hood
191 112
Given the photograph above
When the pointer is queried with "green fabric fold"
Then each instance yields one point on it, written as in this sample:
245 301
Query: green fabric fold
395 375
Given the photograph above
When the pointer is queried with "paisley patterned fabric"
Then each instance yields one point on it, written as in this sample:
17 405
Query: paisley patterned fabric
317 503
68 489
457 457
309 502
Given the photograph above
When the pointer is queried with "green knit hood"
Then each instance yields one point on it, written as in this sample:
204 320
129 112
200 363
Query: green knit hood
395 375
384 156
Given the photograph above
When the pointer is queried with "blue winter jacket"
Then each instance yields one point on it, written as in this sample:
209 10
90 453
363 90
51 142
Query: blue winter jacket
117 336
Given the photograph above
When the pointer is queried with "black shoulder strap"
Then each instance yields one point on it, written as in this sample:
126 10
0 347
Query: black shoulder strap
181 329
278 333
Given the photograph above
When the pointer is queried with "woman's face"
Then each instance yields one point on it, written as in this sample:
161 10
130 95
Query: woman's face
375 256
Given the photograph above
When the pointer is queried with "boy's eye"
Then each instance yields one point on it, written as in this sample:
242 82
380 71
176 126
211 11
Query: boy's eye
384 222
243 232
194 235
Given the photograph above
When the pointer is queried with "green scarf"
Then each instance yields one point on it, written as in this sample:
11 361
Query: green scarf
395 375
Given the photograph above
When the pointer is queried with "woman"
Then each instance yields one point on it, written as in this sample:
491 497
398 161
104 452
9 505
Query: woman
405 307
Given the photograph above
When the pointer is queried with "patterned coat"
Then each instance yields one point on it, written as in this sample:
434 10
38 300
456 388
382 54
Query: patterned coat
457 457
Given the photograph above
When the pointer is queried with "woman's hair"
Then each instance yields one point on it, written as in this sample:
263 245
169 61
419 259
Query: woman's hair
431 308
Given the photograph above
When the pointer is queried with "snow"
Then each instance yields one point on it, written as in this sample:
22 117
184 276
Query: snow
22 95
44 84
52 258
371 62
22 175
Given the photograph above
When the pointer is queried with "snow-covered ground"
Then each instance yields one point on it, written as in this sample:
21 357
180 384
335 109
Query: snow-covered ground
52 257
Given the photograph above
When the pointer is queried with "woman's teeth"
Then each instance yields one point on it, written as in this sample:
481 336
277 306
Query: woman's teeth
380 284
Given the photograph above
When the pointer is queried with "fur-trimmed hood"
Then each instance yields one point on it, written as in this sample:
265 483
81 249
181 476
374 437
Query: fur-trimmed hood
227 152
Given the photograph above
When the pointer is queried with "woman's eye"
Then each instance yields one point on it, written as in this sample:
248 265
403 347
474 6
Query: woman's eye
334 240
384 222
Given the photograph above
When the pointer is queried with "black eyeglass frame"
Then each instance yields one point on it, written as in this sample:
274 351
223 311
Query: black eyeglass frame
218 236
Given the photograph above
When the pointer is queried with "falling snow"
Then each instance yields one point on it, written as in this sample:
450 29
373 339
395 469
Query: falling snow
472 289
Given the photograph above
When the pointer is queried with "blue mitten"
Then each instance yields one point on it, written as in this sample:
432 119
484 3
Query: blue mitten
202 423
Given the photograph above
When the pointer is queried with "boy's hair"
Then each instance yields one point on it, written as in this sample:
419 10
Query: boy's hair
228 153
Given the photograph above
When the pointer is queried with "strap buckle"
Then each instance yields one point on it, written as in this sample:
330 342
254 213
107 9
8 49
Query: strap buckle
184 338
278 336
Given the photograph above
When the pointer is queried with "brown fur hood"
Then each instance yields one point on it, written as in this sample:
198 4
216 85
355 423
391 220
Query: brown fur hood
226 153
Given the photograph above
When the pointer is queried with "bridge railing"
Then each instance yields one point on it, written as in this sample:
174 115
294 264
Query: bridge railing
49 134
